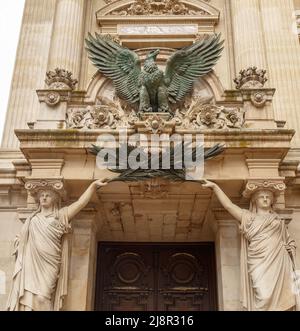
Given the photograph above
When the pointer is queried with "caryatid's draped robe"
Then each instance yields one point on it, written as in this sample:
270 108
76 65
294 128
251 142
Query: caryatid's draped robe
267 268
41 269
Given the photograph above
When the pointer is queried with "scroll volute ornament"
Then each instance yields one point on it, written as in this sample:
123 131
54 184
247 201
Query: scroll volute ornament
277 187
56 186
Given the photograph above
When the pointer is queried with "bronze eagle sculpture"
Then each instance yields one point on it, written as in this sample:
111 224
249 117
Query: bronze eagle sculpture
152 88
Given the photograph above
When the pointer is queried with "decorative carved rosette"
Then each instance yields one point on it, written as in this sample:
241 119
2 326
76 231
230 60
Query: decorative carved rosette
252 187
109 115
154 124
60 79
34 186
52 99
259 99
251 78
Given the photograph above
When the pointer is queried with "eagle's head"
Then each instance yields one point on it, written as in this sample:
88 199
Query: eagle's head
150 64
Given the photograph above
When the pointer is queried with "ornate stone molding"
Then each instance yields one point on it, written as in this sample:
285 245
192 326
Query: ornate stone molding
60 79
197 115
53 98
157 8
251 78
259 99
155 123
253 186
155 18
209 116
104 115
33 186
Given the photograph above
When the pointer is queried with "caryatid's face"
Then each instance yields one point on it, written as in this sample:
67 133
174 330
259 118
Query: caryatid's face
47 199
264 200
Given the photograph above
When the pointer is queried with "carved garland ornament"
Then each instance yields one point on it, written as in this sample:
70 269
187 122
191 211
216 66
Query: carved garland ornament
157 7
198 115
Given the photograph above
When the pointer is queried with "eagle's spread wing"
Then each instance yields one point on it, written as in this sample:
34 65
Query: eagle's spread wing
117 63
189 63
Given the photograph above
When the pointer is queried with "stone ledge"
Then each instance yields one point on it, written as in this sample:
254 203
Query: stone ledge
83 138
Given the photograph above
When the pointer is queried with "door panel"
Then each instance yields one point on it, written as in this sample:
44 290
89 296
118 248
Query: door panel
160 277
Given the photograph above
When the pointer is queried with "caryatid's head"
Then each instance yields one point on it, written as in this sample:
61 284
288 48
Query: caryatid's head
48 198
263 200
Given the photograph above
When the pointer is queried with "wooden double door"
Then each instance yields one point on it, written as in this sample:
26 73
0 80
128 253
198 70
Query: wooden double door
156 277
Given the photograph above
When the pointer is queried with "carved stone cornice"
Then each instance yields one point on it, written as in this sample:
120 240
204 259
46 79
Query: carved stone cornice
278 140
277 186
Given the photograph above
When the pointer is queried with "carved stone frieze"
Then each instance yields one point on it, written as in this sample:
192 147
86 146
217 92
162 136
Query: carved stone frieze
158 8
198 114
101 116
60 79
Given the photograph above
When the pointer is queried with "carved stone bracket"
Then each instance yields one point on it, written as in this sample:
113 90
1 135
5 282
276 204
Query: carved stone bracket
253 186
60 84
251 83
53 98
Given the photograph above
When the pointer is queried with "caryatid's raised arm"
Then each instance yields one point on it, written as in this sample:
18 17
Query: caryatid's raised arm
82 202
233 209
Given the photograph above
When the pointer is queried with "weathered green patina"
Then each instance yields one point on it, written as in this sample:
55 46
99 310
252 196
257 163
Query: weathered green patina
150 88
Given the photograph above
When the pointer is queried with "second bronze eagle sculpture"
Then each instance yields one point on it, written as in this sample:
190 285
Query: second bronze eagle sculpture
152 89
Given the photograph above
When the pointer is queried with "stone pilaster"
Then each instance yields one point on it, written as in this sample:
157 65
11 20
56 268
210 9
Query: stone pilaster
283 54
30 67
228 262
82 277
247 34
67 37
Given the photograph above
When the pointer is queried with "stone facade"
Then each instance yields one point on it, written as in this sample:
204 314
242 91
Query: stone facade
249 102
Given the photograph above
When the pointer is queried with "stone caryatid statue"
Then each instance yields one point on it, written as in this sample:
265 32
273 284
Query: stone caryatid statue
41 269
152 89
267 253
